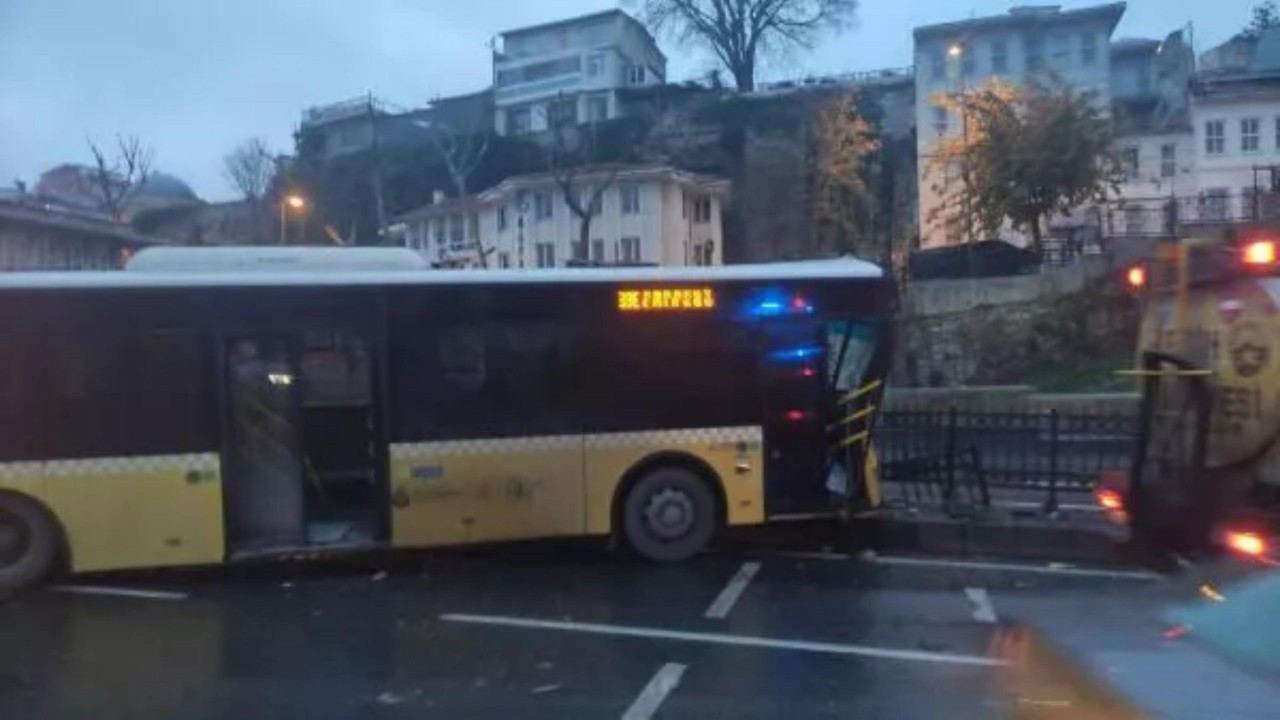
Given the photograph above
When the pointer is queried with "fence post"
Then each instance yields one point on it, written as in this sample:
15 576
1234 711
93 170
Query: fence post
951 456
1051 502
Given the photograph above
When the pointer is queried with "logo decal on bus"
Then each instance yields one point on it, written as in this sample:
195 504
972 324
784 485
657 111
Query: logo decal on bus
666 299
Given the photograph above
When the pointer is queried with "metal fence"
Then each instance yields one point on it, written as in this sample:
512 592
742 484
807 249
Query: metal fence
962 459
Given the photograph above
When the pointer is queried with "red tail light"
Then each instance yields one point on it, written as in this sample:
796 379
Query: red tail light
1109 499
1246 543
1136 277
797 415
1260 253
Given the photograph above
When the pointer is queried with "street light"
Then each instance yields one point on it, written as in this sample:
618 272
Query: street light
956 50
293 202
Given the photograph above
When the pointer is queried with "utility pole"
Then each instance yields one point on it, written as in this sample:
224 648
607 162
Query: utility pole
377 167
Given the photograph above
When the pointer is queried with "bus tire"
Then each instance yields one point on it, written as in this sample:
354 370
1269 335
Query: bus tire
669 514
28 542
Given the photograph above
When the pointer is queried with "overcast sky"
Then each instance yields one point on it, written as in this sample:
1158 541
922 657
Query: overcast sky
192 78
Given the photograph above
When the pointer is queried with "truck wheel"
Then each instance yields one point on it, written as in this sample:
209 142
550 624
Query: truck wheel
28 543
669 515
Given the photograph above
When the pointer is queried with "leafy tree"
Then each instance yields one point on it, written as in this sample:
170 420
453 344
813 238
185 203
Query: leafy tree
739 32
843 142
1265 16
1027 155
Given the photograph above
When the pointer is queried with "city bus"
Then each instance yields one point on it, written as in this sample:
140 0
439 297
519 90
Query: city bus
207 405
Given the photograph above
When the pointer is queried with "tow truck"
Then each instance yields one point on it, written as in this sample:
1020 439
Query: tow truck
1206 473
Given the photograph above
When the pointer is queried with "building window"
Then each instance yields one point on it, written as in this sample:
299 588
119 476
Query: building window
1035 54
562 111
702 210
597 251
579 250
519 121
439 226
1129 163
598 108
630 250
504 260
473 228
546 254
1060 50
542 205
455 230
999 56
1168 160
1215 137
1250 135
629 199
937 64
939 120
595 64
1134 220
502 218
1088 48
635 74
968 66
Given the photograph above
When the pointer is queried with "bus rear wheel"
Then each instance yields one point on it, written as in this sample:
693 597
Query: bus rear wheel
28 543
669 515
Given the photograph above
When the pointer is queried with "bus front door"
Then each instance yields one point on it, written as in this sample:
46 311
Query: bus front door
301 446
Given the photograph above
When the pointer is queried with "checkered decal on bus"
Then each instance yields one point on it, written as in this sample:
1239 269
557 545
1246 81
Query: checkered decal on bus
112 465
660 438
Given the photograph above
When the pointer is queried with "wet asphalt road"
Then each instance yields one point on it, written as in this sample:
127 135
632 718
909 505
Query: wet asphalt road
557 630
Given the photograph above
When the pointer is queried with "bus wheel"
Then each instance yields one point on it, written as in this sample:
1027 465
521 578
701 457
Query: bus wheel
28 542
669 514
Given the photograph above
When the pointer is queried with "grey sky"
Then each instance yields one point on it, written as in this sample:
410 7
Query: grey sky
193 78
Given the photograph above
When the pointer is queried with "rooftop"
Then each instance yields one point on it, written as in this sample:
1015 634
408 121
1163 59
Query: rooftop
1027 16
341 267
619 172
1125 46
552 24
48 216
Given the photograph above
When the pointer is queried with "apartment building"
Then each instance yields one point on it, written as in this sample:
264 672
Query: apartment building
1024 43
646 214
571 71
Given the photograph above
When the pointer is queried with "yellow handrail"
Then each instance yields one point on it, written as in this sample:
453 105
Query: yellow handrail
857 415
865 389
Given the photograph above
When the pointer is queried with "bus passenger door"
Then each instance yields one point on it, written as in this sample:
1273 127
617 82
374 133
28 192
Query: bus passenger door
791 368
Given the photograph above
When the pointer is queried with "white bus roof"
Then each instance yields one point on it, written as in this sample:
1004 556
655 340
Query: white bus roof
274 259
329 273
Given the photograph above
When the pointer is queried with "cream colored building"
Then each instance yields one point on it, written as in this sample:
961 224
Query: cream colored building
646 214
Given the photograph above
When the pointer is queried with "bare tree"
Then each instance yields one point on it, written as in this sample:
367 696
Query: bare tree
739 32
250 168
117 179
462 144
574 156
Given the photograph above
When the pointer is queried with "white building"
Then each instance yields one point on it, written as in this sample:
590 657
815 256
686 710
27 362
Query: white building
646 214
571 70
1235 113
1024 43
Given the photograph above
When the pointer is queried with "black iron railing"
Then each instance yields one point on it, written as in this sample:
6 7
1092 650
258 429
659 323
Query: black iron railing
960 458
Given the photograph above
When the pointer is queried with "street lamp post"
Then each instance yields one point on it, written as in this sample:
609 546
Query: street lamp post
289 202
956 53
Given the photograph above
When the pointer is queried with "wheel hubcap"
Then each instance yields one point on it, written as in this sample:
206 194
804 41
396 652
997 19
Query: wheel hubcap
670 514
13 539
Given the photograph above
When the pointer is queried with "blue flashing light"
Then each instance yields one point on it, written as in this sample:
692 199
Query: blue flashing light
797 353
776 302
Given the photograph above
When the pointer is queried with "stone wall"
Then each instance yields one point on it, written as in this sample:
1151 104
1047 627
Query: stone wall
1005 330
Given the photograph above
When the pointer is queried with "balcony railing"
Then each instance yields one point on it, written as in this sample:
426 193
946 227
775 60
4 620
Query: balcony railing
1163 217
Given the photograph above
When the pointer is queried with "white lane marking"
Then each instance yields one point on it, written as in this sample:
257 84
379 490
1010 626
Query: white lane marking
724 602
1014 567
646 704
803 555
119 592
983 610
722 639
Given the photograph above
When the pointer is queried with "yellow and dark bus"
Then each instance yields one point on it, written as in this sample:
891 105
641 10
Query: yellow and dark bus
213 404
